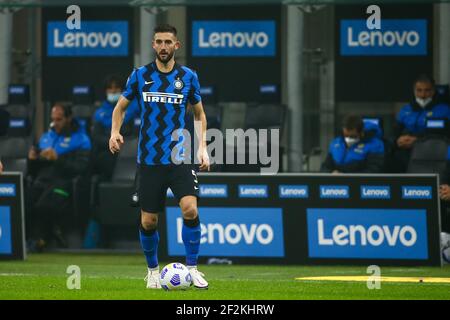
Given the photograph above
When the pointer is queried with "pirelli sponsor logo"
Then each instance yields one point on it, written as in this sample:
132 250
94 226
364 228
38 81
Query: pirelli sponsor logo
162 97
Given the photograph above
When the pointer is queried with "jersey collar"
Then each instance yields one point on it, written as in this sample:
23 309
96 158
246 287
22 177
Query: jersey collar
155 66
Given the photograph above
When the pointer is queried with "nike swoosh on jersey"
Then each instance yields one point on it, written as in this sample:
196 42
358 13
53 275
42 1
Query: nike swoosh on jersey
149 82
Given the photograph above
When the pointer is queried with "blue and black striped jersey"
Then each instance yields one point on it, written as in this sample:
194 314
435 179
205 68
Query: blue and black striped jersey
162 99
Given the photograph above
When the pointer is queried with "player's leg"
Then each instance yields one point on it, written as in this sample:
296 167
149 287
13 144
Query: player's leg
445 231
152 197
190 232
184 185
149 238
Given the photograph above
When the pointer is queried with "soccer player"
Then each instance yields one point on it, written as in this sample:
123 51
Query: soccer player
164 89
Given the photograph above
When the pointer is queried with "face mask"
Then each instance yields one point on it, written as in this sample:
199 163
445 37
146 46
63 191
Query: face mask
113 97
351 141
423 102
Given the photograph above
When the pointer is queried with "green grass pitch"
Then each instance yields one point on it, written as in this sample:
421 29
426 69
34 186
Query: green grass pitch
120 276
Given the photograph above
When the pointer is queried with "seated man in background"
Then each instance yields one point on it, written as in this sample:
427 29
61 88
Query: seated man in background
103 159
411 120
62 154
358 150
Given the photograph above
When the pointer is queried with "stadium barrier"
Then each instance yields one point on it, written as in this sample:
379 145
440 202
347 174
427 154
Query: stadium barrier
281 219
313 219
12 228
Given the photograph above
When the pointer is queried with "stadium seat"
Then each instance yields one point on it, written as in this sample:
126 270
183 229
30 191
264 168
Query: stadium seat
114 196
269 93
213 116
20 119
15 144
212 109
14 147
233 115
257 116
265 116
235 167
129 149
249 152
4 121
20 111
15 165
82 97
429 153
14 153
443 93
83 113
124 170
19 127
17 110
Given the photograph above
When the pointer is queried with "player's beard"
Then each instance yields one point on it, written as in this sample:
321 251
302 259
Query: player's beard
165 60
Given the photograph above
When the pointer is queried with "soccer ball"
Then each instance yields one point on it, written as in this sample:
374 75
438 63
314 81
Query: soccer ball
445 244
446 255
175 276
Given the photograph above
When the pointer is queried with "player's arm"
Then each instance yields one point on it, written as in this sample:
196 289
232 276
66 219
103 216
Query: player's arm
116 139
200 131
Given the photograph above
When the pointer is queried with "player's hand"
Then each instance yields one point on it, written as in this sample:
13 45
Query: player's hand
406 141
401 141
32 154
115 142
1 167
203 159
412 140
444 192
49 154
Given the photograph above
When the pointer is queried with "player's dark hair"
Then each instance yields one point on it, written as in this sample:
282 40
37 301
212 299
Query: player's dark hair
165 28
425 79
352 122
114 80
66 107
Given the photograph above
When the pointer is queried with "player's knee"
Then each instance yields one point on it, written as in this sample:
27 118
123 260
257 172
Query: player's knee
149 225
149 222
189 211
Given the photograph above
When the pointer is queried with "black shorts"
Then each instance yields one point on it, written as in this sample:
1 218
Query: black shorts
155 179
